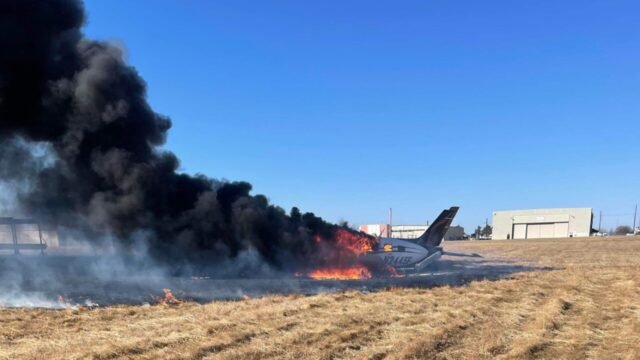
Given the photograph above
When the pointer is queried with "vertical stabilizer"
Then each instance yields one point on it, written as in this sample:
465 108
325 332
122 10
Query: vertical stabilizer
435 233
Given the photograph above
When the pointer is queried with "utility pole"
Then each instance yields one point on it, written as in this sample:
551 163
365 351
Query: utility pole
635 214
600 223
390 222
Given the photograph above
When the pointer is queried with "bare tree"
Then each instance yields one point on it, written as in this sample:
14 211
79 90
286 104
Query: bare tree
487 230
623 230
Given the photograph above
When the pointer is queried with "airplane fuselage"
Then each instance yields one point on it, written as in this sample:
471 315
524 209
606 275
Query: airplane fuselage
405 255
409 255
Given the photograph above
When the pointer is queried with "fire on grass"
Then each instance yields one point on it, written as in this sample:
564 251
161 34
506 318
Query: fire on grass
343 259
167 299
351 273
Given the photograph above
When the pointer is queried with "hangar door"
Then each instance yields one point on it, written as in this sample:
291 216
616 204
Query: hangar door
519 231
540 230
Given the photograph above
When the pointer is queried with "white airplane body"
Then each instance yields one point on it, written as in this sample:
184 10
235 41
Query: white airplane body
414 255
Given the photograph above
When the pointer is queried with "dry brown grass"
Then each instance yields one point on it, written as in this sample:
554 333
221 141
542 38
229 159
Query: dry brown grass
588 308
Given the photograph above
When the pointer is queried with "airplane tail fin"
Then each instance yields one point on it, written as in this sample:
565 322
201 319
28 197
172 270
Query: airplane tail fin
435 233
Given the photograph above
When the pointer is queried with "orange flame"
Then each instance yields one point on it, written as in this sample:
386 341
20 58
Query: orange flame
358 243
346 246
168 298
351 273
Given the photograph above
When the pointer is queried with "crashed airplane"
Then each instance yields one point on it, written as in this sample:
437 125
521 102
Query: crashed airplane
414 255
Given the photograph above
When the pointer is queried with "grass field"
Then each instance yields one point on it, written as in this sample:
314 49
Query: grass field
587 307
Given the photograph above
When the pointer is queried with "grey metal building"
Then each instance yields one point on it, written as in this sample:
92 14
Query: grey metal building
542 223
455 232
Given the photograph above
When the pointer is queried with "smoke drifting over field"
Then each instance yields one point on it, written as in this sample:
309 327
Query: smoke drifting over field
79 147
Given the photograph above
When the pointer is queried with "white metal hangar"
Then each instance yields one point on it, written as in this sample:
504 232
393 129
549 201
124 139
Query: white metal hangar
542 223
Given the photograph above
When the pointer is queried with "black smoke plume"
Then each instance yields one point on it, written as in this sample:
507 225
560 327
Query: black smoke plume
80 147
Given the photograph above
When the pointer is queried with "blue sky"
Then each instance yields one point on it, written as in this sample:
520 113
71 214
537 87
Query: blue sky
347 108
